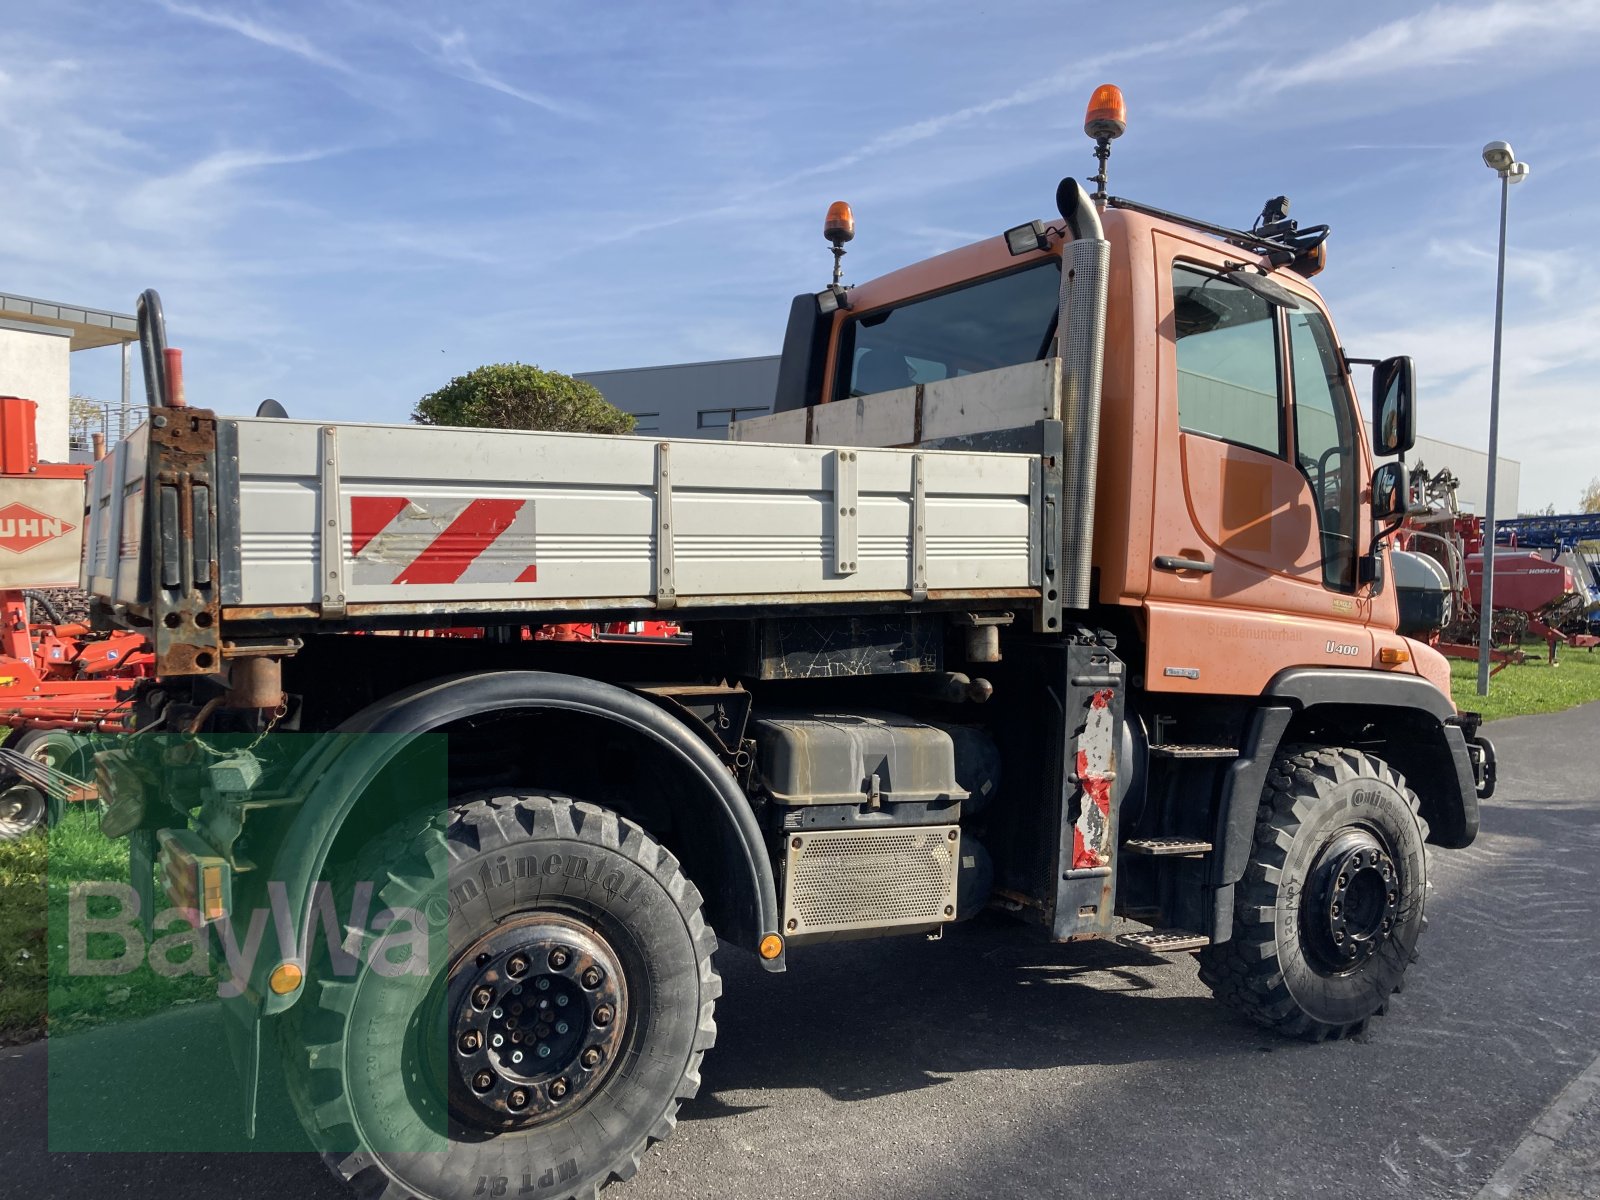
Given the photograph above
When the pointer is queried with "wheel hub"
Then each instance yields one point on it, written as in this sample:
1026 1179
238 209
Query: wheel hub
537 1012
1356 900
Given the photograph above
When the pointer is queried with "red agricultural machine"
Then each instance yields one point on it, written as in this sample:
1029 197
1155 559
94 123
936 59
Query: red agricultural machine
1555 598
59 681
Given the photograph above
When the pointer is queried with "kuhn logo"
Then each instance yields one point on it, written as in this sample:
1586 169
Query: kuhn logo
22 528
1342 648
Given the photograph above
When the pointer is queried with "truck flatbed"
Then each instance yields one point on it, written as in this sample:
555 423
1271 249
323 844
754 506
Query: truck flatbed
319 521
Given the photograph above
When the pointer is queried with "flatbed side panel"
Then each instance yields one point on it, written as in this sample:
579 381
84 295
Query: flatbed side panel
429 516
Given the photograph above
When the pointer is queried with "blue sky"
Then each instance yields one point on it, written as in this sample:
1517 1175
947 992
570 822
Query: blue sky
344 203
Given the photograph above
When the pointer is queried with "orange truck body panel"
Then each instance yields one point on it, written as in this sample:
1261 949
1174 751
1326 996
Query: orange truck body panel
1160 491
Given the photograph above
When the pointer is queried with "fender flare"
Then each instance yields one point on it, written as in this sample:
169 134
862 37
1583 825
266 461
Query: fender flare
345 771
1454 822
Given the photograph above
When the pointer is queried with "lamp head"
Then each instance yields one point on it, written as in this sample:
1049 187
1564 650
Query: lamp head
1497 156
1517 172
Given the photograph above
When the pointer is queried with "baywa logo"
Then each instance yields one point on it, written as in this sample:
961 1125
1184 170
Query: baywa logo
394 943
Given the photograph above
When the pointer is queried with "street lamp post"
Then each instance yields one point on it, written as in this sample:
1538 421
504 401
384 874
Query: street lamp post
1497 156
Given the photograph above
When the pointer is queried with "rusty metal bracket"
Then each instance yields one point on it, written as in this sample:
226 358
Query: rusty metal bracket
181 523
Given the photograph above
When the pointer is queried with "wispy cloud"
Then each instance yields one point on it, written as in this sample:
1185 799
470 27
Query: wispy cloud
1516 34
278 39
455 55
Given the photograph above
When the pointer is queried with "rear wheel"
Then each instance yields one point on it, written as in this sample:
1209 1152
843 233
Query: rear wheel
1327 917
557 1038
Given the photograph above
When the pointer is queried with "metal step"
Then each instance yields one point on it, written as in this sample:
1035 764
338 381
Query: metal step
1165 941
1194 751
1166 846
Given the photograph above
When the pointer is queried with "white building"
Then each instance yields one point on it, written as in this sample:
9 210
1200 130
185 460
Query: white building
37 340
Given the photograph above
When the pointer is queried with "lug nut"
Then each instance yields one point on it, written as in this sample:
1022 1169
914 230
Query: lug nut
561 1001
544 1051
592 977
516 1039
558 1089
1338 937
470 1041
483 1081
541 1031
516 1056
561 1026
603 1015
517 965
481 997
591 1056
517 991
559 957
518 1099
1334 910
498 1012
497 1041
1344 881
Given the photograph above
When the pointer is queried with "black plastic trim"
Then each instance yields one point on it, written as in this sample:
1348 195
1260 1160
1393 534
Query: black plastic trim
1310 686
805 356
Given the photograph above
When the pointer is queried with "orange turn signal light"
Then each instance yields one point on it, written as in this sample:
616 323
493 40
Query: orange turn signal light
1312 261
285 978
771 946
1393 656
840 223
1108 114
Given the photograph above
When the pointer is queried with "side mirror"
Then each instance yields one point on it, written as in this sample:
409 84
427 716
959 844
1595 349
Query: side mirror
1391 491
1394 413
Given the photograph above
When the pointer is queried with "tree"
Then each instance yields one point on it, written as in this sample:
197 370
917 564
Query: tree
85 416
1590 501
519 396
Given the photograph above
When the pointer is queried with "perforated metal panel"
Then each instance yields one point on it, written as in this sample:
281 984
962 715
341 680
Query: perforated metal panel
857 879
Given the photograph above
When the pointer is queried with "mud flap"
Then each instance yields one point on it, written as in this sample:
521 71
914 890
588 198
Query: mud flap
1092 698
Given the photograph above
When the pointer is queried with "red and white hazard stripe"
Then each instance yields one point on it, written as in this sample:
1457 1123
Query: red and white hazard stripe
394 539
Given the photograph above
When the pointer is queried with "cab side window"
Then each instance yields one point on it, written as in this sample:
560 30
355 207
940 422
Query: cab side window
1227 362
1325 441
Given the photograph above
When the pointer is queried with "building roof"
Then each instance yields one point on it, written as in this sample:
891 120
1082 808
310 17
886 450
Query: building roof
89 327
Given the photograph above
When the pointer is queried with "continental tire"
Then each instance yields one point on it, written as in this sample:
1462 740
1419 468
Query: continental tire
576 946
1327 917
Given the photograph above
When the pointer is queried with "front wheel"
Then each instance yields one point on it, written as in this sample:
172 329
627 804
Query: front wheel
555 1040
1327 917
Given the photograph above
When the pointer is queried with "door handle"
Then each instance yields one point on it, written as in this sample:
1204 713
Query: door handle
1167 562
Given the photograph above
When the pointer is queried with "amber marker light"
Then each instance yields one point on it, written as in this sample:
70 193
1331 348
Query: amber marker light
1391 656
771 946
840 223
285 978
1108 113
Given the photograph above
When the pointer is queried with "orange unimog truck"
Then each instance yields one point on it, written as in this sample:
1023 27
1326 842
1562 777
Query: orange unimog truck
1056 584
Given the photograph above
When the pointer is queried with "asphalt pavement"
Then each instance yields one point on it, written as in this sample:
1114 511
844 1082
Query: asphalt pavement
989 1065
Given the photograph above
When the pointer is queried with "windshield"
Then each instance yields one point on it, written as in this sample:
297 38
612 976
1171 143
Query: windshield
996 322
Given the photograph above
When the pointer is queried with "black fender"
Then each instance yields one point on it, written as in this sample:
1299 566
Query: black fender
356 761
1425 744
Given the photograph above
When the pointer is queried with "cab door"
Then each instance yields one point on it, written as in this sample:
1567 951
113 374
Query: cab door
1258 457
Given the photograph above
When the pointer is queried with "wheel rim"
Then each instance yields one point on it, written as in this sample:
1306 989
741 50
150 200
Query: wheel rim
538 1009
21 809
1354 907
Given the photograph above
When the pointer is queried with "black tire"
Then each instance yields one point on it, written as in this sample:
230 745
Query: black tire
1327 917
60 749
346 1069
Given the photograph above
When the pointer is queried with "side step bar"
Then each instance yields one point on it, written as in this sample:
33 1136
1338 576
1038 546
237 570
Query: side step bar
1164 847
1165 941
1194 751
